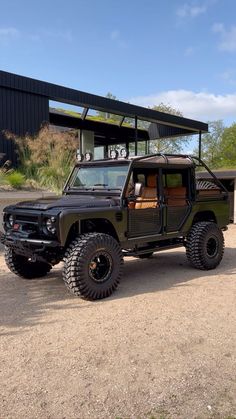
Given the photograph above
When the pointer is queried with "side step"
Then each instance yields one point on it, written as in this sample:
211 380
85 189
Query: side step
143 251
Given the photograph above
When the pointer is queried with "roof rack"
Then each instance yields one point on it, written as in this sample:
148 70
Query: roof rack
165 156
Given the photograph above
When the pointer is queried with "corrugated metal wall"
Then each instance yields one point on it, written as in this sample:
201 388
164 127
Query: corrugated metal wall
20 112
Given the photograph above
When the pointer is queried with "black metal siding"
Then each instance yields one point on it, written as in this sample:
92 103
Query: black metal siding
20 113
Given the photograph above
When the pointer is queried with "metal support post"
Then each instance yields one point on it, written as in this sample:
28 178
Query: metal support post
200 145
136 137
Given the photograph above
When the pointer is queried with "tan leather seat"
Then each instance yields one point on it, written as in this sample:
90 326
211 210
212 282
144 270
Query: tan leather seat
148 199
176 197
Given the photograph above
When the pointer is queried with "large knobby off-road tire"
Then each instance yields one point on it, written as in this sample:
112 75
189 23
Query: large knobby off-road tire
205 245
93 266
23 267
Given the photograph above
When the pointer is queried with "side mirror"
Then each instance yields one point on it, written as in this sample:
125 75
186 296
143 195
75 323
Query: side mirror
137 189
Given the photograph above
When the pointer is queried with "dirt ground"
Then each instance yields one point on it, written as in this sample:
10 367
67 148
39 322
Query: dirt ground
163 346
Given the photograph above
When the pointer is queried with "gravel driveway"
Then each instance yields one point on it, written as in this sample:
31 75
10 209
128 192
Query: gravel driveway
163 346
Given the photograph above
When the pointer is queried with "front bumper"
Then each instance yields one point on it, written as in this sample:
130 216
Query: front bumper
27 246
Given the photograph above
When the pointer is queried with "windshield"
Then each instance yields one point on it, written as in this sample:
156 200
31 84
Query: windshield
99 177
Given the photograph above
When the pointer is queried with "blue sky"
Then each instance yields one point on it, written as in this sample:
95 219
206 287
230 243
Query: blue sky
182 53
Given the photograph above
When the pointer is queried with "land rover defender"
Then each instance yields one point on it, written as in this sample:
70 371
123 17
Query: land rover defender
114 208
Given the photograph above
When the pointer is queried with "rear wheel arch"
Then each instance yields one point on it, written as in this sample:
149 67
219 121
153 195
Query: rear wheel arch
204 216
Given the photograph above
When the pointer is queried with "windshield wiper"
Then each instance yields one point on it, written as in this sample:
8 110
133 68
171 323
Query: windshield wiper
93 188
107 189
104 185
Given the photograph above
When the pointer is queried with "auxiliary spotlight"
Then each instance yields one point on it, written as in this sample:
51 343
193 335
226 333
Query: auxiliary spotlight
114 154
88 156
124 153
79 157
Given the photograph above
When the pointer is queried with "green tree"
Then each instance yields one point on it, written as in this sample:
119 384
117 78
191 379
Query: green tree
173 144
162 107
211 151
164 145
227 152
108 115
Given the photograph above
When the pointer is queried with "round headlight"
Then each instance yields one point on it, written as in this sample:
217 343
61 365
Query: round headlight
50 225
11 220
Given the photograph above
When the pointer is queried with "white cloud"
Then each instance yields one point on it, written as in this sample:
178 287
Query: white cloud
8 33
202 105
191 10
227 37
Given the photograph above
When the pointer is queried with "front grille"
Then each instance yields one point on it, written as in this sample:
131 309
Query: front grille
29 219
28 223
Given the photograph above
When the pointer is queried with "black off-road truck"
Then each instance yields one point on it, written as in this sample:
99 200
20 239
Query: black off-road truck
114 208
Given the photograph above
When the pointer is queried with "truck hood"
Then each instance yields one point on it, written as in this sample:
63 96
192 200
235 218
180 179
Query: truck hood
67 201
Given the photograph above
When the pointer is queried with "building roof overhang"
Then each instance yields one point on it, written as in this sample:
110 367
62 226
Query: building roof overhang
162 124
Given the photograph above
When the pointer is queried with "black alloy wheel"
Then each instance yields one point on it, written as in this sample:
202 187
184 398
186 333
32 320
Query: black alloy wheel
93 266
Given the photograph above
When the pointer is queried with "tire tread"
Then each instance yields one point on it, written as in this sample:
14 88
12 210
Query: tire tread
20 266
194 245
73 274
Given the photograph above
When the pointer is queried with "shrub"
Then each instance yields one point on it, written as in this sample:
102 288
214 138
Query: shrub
15 179
48 157
54 177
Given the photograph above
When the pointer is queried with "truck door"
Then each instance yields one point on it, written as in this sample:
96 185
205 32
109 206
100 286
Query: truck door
144 212
176 197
